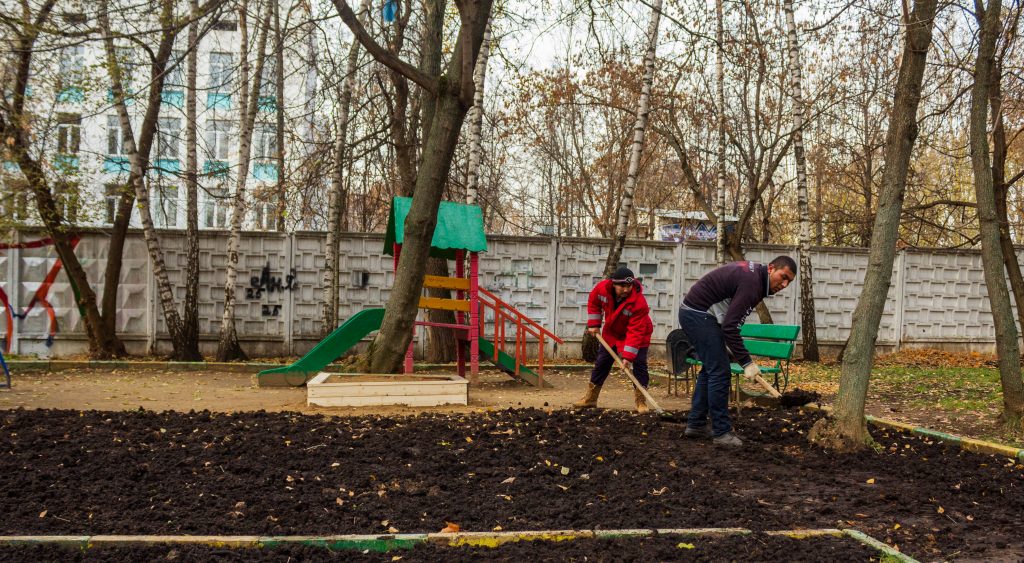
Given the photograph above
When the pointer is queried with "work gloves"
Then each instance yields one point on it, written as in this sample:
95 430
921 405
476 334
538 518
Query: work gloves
751 370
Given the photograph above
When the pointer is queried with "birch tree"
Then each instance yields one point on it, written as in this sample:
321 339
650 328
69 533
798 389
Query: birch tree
227 347
807 308
639 133
1008 350
476 119
139 152
336 195
720 102
190 312
847 429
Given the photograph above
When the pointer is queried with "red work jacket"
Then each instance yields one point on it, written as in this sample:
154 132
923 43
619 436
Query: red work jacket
627 327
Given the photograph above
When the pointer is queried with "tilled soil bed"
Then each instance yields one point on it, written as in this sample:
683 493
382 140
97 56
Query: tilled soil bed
89 473
755 547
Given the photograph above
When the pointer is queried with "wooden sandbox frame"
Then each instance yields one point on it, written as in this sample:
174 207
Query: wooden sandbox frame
328 389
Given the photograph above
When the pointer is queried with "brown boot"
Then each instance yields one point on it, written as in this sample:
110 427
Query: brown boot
590 399
641 402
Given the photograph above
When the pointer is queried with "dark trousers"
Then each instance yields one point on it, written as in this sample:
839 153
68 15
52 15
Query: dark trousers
711 393
604 362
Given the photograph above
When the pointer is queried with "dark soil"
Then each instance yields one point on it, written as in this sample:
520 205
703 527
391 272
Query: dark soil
70 472
756 547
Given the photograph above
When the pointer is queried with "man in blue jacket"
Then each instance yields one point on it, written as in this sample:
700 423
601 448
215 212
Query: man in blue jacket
711 315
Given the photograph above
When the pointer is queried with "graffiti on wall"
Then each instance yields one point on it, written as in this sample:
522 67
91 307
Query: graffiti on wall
38 298
267 283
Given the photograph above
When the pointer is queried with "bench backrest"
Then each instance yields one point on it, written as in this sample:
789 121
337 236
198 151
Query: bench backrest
770 332
769 349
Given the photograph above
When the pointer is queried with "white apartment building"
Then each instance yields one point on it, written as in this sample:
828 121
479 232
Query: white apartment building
81 144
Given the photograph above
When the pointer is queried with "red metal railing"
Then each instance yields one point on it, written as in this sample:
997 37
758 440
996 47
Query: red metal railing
505 314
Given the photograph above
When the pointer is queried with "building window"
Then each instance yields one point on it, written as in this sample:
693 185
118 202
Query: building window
129 66
111 197
225 25
117 140
71 65
165 206
222 67
174 79
218 138
69 132
264 215
264 142
215 210
68 199
15 199
168 137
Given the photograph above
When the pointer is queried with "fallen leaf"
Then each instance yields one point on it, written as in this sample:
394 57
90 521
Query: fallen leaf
450 528
685 546
468 439
565 470
42 514
871 481
941 510
508 481
392 530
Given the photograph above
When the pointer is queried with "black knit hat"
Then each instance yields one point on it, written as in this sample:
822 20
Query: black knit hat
623 275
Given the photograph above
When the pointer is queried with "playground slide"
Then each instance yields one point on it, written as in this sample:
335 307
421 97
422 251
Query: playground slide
507 363
329 349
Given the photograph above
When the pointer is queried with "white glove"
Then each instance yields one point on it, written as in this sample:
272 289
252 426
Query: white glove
751 370
628 365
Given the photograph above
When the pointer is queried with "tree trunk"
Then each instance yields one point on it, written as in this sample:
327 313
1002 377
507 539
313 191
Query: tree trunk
332 287
440 342
848 430
279 105
807 308
190 313
1001 190
476 120
139 152
454 95
720 102
228 348
1008 350
639 135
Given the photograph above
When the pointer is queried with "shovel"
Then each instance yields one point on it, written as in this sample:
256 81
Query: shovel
794 398
629 373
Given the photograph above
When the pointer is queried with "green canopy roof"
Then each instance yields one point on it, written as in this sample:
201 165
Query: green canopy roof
459 227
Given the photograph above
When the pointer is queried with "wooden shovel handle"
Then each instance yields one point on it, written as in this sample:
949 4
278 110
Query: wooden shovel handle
629 374
768 387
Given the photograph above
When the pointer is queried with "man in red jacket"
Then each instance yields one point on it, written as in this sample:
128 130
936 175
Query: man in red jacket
627 329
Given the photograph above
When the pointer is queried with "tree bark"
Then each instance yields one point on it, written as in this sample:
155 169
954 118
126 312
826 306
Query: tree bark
190 312
279 105
720 153
1001 190
807 308
848 430
228 348
1007 347
476 120
332 287
639 135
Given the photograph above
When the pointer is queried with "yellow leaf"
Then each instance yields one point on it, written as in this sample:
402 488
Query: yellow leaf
42 514
685 546
871 481
468 439
941 510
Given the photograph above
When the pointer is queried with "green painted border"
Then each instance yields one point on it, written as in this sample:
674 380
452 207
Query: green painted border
390 542
966 444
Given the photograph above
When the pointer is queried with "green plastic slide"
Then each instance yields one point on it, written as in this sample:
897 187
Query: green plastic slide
329 349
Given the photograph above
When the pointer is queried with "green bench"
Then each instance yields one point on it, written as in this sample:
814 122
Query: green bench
763 341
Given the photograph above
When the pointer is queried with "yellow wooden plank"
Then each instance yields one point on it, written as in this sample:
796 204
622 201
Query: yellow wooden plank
445 304
443 282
